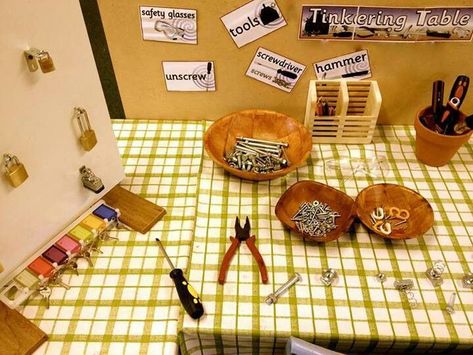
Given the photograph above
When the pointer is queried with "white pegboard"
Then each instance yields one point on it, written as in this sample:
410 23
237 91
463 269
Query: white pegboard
36 125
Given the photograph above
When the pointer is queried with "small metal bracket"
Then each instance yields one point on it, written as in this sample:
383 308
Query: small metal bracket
38 58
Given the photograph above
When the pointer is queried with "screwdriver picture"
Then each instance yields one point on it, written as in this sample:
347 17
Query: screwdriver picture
189 298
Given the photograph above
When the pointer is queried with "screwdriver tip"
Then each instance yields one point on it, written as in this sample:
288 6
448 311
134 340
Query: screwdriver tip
157 239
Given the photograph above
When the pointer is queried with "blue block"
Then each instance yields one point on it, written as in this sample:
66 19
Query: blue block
105 212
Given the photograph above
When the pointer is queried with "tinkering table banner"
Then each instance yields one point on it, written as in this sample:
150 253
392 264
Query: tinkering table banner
406 24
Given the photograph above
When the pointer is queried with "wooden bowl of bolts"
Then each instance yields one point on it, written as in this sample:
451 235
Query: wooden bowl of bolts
316 211
394 211
258 144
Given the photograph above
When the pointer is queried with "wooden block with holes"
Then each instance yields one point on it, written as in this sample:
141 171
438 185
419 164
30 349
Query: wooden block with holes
355 106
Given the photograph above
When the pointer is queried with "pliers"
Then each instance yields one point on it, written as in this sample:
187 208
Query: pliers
242 234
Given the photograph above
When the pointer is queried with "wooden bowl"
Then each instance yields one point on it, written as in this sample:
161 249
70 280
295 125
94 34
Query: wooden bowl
421 217
220 138
308 191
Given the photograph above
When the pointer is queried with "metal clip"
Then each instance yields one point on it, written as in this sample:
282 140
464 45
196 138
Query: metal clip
35 56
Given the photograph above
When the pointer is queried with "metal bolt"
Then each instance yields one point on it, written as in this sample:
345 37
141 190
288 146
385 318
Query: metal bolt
450 308
468 280
273 297
247 139
328 276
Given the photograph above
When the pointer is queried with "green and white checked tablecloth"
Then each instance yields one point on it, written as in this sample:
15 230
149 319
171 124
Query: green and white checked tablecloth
358 313
127 303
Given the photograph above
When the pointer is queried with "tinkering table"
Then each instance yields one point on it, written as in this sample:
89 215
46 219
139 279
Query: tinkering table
127 303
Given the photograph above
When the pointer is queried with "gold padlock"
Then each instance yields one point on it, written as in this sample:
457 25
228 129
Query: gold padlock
15 171
36 56
87 138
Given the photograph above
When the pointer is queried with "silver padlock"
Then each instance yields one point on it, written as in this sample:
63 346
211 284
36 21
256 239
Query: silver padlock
15 171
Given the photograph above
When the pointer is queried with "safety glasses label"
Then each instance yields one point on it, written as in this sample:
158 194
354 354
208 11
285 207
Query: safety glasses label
165 24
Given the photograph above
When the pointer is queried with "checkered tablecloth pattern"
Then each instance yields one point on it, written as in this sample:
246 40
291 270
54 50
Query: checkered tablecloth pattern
357 313
126 303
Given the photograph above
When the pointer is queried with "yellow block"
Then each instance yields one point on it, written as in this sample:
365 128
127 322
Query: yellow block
93 222
27 279
81 233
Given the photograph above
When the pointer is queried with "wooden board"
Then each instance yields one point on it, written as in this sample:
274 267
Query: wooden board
17 334
36 124
136 212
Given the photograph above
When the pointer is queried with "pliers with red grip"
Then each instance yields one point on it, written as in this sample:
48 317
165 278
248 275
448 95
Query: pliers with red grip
242 234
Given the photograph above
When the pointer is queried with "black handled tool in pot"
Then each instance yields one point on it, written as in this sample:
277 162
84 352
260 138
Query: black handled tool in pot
437 98
189 298
460 88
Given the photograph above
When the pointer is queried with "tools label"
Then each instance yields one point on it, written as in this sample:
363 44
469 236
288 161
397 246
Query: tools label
354 66
393 24
253 20
189 76
166 24
275 70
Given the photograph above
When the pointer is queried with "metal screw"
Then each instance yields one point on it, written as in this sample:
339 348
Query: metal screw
468 280
273 297
450 308
381 277
328 276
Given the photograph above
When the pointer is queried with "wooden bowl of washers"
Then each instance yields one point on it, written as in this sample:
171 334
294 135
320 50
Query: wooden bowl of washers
396 209
221 137
308 191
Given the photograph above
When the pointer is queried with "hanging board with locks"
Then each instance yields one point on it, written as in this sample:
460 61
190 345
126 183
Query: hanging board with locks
45 136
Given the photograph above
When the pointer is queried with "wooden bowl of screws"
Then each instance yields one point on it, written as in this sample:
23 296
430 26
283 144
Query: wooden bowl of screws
316 211
258 144
394 211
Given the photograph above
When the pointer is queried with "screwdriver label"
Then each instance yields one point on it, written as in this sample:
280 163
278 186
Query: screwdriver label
354 66
275 70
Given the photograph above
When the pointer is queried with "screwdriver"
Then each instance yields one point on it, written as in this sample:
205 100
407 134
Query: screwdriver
187 294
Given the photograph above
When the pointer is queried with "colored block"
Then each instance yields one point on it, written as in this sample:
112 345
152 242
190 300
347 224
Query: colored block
27 279
93 222
68 244
81 233
40 266
55 255
105 212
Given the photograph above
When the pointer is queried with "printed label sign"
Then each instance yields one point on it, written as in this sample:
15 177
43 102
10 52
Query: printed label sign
168 24
363 23
189 76
253 20
275 70
354 66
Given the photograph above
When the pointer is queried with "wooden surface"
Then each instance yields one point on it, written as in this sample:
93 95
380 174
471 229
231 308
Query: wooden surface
309 191
390 195
404 71
220 138
136 212
17 334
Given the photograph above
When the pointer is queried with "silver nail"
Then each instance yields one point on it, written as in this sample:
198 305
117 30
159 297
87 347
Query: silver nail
450 308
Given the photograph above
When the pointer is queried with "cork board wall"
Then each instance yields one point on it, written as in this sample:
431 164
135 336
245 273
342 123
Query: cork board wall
404 71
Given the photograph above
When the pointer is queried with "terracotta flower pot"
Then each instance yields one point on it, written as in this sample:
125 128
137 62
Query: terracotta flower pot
436 149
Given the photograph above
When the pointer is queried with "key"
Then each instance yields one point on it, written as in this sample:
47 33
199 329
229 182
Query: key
45 292
74 266
86 255
57 280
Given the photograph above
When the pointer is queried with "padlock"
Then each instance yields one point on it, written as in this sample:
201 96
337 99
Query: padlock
35 56
15 171
87 138
45 62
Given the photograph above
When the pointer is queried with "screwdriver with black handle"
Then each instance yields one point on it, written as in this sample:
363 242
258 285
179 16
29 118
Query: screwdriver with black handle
187 294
